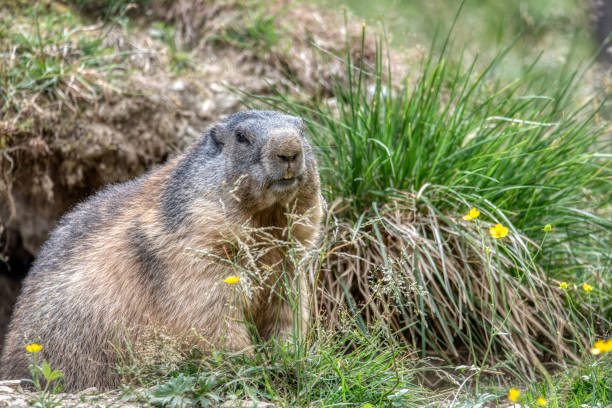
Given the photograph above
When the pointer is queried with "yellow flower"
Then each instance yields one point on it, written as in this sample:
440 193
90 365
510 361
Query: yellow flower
548 228
34 348
601 346
542 402
232 279
587 288
474 213
499 231
564 285
513 394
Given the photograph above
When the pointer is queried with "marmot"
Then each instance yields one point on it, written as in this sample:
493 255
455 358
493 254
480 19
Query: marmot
122 258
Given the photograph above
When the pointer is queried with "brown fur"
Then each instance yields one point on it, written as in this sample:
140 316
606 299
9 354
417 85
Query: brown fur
131 269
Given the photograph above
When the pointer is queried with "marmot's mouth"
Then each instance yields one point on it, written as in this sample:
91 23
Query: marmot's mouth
284 184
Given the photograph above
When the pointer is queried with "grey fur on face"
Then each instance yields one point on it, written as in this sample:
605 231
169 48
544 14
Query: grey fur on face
261 151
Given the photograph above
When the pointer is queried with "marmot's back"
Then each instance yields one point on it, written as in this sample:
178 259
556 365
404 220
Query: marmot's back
117 263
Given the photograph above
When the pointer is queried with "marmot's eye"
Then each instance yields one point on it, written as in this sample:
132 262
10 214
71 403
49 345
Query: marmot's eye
241 137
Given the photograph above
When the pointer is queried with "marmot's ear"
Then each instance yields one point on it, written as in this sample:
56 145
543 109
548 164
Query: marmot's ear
213 142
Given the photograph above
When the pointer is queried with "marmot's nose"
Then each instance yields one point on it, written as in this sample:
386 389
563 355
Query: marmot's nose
286 149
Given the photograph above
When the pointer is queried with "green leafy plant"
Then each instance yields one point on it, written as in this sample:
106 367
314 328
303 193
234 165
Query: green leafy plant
185 390
173 393
46 381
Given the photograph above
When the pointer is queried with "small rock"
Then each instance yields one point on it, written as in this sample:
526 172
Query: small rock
15 384
215 87
19 403
205 110
178 86
226 102
89 391
247 404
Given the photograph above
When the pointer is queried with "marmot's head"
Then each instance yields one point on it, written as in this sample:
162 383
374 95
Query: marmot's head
252 160
267 157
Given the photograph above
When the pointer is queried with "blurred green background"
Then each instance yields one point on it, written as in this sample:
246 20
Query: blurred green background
560 30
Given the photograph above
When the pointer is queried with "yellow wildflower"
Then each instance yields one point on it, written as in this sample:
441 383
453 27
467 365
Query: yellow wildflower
587 288
474 213
34 348
232 279
564 285
542 402
499 231
601 346
514 394
548 228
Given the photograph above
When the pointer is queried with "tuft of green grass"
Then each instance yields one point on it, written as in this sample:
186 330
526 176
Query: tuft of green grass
180 60
50 54
109 9
334 369
258 32
408 159
522 145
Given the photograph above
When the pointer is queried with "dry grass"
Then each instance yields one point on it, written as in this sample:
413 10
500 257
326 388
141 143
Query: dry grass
444 286
154 352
